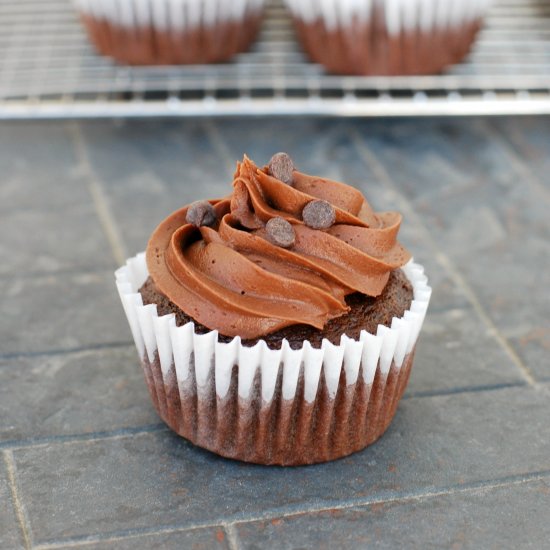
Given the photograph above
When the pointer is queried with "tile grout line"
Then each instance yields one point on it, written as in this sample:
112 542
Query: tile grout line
20 513
70 272
67 351
513 152
219 144
493 330
99 199
462 390
281 513
233 540
380 171
91 437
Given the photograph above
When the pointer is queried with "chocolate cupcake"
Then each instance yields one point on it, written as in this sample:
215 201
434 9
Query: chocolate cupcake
277 325
171 32
387 37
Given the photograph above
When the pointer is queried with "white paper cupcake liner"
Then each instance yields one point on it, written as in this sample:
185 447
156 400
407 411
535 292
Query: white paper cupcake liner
387 37
399 15
273 406
178 15
171 32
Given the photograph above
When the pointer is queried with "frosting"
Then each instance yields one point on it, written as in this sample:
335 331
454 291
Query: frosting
231 277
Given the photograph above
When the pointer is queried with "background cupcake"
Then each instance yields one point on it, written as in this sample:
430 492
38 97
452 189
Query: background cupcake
276 325
387 37
166 32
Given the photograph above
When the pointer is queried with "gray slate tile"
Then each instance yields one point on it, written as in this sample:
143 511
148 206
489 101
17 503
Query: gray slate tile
455 351
159 479
510 517
515 297
43 240
158 167
63 311
430 157
195 539
10 534
482 218
73 393
506 275
47 218
529 137
318 146
39 167
455 178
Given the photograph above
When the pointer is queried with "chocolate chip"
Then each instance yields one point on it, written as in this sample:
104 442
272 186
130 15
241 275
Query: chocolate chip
280 232
201 213
281 167
319 214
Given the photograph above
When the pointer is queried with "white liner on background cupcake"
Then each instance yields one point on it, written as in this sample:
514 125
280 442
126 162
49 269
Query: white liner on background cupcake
171 31
273 406
180 15
399 15
387 36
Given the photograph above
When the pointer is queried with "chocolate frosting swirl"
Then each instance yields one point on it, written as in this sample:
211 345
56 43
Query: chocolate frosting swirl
231 278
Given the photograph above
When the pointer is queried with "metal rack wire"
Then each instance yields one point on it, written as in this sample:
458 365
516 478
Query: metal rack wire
48 70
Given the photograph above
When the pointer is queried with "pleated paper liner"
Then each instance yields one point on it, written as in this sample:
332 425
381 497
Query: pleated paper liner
266 406
171 32
388 37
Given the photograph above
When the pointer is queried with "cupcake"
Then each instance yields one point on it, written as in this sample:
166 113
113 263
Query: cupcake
277 325
171 32
387 37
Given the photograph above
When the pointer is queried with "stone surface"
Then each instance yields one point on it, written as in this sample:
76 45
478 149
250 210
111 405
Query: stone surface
480 213
58 312
433 442
74 393
455 351
10 534
47 217
503 517
50 240
39 166
528 138
331 155
94 466
531 148
195 539
151 168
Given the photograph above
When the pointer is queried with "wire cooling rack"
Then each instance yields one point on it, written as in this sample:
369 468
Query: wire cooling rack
49 70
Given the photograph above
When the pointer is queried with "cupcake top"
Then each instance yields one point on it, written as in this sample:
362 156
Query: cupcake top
283 249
